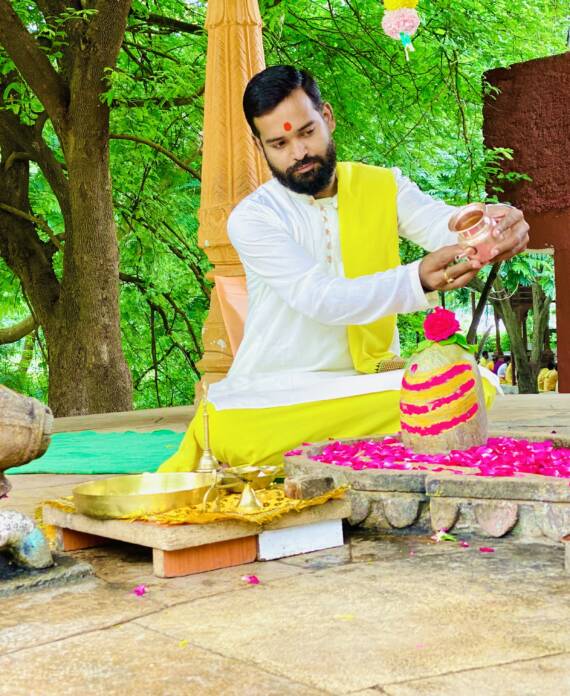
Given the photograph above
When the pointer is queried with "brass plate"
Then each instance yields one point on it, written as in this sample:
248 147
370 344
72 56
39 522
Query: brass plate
140 494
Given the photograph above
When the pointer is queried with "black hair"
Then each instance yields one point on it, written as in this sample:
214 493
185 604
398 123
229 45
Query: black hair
271 86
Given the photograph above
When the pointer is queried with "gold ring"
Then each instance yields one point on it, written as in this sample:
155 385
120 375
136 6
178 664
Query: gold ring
446 277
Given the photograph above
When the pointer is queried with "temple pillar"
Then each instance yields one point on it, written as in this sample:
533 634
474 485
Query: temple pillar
231 166
529 114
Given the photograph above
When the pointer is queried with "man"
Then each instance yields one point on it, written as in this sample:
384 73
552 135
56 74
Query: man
484 360
319 245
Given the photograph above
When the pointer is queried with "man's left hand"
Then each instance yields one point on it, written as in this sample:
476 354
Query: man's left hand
511 233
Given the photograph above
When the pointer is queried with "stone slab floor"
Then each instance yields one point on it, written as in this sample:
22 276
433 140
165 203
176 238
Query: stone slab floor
382 615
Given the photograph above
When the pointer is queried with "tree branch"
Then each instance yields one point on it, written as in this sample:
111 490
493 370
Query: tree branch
18 157
42 224
34 147
14 333
32 63
160 101
159 148
170 23
472 333
106 30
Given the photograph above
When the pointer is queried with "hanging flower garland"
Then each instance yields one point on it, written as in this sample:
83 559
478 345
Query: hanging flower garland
401 21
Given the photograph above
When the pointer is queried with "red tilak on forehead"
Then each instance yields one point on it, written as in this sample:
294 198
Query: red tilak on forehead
287 126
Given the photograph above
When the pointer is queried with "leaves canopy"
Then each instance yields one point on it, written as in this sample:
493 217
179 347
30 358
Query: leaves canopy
424 116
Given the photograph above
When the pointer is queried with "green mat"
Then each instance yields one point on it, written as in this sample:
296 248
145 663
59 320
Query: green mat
87 452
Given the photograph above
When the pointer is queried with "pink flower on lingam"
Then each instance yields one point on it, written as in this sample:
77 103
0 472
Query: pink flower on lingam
440 324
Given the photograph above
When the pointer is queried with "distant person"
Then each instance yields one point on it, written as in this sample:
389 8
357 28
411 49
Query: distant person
504 370
509 372
497 362
540 378
484 359
551 378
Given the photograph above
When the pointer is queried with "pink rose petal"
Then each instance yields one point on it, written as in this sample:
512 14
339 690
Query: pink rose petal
251 579
499 457
486 549
140 590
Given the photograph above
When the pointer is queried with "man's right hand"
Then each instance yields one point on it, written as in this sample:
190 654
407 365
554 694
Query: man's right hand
439 271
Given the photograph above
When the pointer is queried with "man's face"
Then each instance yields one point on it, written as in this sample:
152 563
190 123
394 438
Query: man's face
296 140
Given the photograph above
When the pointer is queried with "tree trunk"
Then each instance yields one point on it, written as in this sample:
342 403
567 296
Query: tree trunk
525 374
79 314
497 318
480 308
90 293
541 313
27 355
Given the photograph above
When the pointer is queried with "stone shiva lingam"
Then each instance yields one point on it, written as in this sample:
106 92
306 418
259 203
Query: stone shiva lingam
442 404
25 430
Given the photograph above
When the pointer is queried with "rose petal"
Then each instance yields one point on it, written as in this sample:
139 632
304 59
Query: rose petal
251 579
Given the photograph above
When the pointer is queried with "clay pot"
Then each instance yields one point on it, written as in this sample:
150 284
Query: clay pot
442 405
25 429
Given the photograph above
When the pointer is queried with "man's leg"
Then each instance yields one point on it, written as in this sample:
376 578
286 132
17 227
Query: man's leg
261 436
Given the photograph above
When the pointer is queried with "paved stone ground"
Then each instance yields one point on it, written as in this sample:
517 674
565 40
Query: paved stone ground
397 615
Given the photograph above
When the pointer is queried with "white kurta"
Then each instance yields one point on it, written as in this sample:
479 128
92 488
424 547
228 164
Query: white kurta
295 345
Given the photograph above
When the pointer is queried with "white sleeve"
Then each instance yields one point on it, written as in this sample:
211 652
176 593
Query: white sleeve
267 250
421 218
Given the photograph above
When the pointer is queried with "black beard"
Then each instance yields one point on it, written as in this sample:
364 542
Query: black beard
313 181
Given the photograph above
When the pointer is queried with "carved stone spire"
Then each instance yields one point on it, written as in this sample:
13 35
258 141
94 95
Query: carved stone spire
232 167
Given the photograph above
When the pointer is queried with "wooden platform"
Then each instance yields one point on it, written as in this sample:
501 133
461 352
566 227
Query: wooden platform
184 549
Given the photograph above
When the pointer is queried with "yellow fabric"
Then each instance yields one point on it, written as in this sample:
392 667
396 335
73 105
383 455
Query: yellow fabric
551 380
540 379
274 502
368 224
509 374
260 436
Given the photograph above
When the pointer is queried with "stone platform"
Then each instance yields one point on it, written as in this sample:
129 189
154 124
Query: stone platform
529 509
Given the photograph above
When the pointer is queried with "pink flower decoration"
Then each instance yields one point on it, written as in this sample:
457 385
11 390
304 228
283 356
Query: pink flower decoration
403 21
486 549
440 324
139 590
499 457
293 453
251 579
